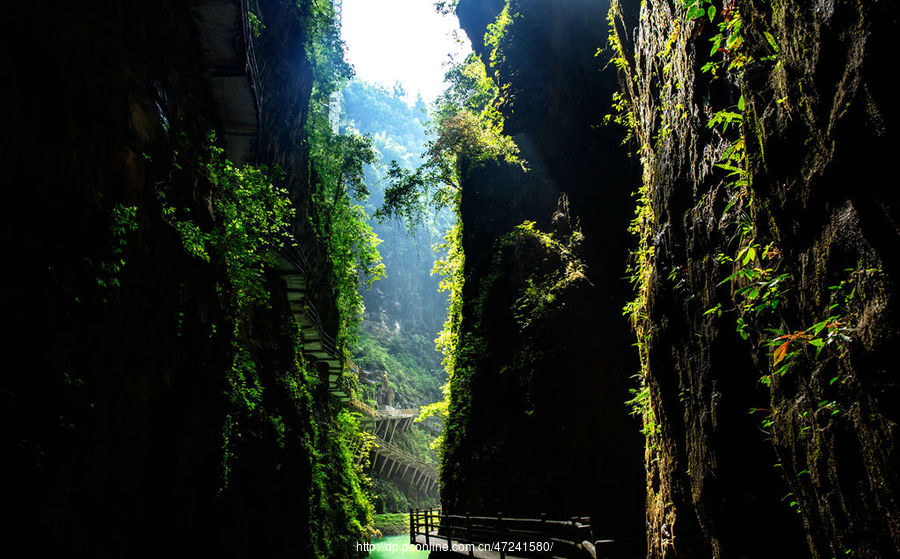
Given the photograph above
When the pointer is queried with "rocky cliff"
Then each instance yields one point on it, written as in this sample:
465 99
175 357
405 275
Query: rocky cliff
156 407
537 417
767 268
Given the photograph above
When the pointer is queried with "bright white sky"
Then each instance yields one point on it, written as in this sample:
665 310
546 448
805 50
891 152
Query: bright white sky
401 40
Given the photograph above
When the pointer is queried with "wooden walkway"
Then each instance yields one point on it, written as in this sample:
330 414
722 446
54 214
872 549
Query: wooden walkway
228 63
393 462
503 537
320 347
388 459
386 422
229 68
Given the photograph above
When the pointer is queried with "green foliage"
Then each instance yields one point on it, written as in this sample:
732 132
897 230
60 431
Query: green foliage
392 523
228 433
397 338
341 512
340 503
697 9
122 223
243 378
764 282
468 132
640 272
325 51
640 265
192 237
271 400
252 217
729 37
405 199
255 216
641 406
338 169
251 223
342 224
758 278
446 6
397 129
409 359
338 164
256 25
832 335
469 122
496 32
542 289
450 268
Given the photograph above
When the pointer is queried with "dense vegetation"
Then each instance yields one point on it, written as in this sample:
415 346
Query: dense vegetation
775 286
254 220
764 307
404 310
467 133
174 395
170 380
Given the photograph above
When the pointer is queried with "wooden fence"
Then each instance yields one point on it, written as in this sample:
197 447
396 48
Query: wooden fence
508 536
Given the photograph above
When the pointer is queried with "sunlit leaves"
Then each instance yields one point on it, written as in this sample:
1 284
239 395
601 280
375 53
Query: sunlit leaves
469 131
338 164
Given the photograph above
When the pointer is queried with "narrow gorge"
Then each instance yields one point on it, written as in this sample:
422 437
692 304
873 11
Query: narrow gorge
622 286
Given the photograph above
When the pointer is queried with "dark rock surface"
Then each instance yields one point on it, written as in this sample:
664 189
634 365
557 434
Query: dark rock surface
813 473
538 420
115 397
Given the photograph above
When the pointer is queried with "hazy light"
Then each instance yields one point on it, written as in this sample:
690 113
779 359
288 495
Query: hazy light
401 40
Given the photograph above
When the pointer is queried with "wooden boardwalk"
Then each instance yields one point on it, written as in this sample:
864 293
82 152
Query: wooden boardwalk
229 68
394 462
388 459
228 63
502 537
319 346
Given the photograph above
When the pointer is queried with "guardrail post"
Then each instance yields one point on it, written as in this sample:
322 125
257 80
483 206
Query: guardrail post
469 534
545 531
500 534
575 537
427 529
449 532
412 529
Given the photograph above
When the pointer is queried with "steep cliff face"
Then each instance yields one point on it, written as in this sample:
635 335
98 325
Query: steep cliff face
132 426
767 305
537 418
286 77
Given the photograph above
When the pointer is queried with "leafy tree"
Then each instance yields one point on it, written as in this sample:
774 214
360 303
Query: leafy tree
468 131
338 177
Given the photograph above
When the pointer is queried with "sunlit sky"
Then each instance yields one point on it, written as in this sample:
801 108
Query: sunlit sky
401 40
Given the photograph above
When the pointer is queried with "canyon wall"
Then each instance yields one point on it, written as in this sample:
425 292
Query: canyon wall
766 268
132 426
538 421
763 262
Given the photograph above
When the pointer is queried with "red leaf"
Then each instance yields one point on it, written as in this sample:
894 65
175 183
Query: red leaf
781 352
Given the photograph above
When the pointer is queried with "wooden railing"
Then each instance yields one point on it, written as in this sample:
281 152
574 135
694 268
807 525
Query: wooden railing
296 257
398 414
363 407
384 413
511 537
